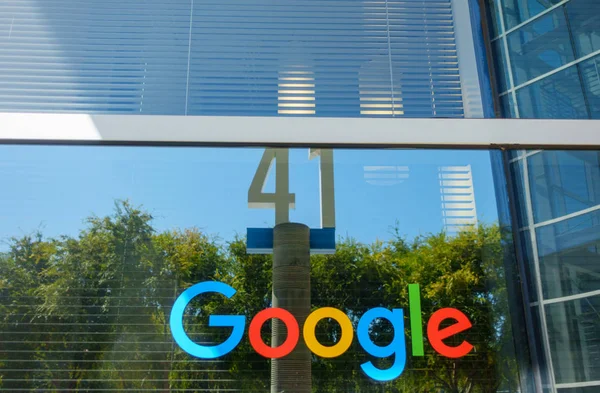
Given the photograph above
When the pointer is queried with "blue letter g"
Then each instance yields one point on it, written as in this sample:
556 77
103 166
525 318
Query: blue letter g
397 347
181 338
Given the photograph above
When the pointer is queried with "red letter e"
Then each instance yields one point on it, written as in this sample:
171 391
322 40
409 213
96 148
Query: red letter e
436 335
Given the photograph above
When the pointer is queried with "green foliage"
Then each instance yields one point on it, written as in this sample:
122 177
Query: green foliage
91 312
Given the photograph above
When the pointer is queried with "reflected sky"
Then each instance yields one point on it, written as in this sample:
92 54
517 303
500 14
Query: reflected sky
54 188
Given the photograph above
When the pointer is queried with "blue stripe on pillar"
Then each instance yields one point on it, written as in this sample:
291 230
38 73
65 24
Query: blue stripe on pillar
260 240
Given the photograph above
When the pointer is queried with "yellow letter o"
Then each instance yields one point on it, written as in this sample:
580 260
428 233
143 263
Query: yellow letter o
311 340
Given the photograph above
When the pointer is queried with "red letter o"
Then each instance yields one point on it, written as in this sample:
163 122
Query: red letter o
436 335
292 329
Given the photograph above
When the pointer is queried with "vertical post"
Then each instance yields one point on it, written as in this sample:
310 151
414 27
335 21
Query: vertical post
291 291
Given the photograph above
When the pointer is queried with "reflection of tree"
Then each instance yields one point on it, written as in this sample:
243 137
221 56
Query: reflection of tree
463 272
91 312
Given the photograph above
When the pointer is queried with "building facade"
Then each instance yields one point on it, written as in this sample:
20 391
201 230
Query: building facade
546 56
88 309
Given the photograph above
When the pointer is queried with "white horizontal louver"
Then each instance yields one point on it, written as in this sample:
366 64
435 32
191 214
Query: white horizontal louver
230 57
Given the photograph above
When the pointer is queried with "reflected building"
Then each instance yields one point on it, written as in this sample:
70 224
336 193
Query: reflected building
385 175
459 212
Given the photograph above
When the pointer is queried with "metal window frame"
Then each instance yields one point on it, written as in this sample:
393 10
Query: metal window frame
148 130
36 128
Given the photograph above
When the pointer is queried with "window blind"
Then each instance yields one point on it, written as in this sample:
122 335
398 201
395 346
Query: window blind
230 57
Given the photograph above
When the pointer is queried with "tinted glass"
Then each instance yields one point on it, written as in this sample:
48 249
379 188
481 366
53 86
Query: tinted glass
517 172
529 259
569 256
508 106
518 11
564 182
559 96
590 73
542 355
493 17
584 22
540 46
502 77
573 328
100 244
561 254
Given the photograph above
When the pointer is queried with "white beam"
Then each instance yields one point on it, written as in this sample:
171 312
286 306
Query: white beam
480 133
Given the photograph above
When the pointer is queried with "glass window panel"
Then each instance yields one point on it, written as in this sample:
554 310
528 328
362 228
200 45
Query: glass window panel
530 278
542 355
508 106
494 18
89 283
584 21
501 73
559 96
517 173
516 154
540 47
519 11
590 73
563 182
574 333
527 253
230 57
569 254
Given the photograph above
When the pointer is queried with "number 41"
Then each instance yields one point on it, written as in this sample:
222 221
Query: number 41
282 200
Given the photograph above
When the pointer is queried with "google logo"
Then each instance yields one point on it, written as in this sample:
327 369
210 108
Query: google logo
397 347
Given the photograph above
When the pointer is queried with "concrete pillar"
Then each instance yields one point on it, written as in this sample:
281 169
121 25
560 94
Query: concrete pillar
291 291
